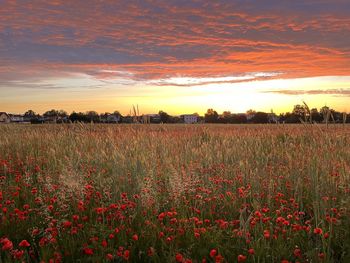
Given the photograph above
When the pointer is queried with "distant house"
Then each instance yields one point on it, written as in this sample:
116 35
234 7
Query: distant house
4 117
16 118
50 119
113 118
189 118
151 118
249 116
272 118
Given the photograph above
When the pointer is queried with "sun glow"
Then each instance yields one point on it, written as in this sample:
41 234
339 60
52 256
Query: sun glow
81 92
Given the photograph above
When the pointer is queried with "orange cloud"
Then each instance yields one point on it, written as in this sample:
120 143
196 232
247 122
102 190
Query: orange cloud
164 39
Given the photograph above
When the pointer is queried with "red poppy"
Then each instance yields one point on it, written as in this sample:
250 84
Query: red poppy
179 257
126 254
266 234
88 251
297 252
241 258
213 253
318 231
67 224
24 243
18 254
6 244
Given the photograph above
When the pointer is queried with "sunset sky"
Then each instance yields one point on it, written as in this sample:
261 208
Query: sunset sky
179 56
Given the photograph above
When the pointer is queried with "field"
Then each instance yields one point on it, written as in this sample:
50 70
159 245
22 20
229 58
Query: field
174 193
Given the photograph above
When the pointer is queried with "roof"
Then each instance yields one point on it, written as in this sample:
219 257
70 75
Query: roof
2 112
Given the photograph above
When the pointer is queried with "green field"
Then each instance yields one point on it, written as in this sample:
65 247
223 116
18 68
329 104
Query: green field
167 193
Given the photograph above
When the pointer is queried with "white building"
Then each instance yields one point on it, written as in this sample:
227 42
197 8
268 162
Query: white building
4 117
113 118
189 118
16 118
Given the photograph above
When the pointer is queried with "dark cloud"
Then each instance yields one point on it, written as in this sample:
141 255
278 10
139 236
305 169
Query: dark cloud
161 39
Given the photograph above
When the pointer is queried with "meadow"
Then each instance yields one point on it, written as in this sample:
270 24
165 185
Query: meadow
174 193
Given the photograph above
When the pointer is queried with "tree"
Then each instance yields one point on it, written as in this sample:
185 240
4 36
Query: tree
117 113
164 117
315 115
30 113
62 114
211 116
92 116
301 112
51 113
31 116
78 117
260 117
225 117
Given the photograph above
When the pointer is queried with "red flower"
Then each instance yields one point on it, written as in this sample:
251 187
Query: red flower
321 256
6 244
35 232
219 259
24 243
109 257
67 224
318 231
18 254
251 251
135 237
161 216
126 254
241 258
212 253
266 233
258 214
150 251
88 251
179 257
297 252
104 243
100 210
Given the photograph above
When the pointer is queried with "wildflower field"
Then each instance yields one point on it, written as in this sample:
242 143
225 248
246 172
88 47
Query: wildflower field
174 193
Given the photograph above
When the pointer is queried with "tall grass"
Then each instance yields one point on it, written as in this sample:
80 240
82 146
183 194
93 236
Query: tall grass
226 174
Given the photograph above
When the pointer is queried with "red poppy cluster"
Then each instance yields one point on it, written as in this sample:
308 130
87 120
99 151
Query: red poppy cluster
207 214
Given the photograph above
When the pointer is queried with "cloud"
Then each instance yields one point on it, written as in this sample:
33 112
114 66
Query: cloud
335 92
171 42
192 81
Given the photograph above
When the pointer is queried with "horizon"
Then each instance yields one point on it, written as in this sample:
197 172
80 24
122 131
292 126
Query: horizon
177 56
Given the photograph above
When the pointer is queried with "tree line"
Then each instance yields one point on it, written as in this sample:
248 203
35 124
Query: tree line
300 113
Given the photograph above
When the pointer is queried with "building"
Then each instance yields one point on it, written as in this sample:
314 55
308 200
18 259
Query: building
272 118
189 118
113 118
4 117
151 118
16 118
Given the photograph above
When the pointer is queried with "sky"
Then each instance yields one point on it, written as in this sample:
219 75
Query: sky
179 56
